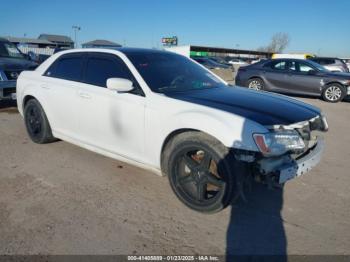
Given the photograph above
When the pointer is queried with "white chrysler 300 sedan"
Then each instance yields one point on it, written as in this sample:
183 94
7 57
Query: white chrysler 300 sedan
164 112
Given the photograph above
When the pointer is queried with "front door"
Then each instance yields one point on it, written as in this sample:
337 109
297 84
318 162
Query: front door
303 78
110 120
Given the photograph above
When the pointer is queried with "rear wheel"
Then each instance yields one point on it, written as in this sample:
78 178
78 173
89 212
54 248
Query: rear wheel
200 172
333 93
36 122
256 84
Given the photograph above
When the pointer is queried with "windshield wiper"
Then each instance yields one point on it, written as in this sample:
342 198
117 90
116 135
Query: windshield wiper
167 87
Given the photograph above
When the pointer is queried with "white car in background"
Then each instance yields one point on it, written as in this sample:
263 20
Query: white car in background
347 62
236 61
164 112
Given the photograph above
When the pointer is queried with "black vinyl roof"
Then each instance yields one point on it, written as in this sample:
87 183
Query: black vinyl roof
134 50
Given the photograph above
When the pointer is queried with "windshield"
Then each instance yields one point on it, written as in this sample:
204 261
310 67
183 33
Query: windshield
9 50
167 72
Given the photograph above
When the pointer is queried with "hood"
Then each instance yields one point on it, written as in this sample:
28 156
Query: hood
7 63
339 75
261 107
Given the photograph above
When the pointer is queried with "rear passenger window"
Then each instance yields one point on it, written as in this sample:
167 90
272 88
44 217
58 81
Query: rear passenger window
279 65
98 70
68 68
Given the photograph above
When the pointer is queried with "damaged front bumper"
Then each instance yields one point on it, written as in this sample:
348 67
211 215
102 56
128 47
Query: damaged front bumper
284 168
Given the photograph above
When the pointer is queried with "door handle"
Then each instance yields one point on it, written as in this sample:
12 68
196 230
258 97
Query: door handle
44 86
84 95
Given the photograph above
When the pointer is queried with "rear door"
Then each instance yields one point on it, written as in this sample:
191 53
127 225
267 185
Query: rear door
60 85
275 75
110 120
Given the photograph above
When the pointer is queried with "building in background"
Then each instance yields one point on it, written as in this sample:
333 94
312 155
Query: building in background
30 42
60 41
33 45
100 44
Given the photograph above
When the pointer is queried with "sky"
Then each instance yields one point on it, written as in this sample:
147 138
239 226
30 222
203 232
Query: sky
321 27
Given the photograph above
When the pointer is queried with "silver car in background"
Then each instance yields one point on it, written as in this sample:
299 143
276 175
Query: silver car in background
347 62
332 64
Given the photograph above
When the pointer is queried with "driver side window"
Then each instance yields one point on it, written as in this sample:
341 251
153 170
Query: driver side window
304 68
100 67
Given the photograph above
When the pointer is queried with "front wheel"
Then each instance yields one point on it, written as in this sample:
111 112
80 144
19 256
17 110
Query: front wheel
333 93
200 172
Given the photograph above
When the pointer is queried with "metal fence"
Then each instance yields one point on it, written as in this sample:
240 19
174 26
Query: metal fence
36 50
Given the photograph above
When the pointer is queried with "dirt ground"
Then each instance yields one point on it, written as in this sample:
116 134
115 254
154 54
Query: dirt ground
61 199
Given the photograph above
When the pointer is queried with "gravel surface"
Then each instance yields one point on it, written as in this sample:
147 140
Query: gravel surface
61 199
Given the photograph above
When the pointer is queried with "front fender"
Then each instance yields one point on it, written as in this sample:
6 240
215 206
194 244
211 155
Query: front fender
232 131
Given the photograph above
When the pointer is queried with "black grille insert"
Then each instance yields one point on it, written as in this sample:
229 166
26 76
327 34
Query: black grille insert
9 91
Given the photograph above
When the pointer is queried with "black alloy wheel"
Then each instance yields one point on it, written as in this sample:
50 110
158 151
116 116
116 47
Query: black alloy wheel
201 175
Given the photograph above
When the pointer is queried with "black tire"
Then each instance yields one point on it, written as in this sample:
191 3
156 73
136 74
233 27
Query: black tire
256 84
201 171
37 125
333 93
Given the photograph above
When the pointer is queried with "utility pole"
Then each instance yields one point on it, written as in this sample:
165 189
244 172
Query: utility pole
76 28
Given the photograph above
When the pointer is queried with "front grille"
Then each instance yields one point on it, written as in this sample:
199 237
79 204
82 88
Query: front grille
8 91
12 75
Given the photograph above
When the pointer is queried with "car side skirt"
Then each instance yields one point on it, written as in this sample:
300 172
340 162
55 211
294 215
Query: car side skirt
106 153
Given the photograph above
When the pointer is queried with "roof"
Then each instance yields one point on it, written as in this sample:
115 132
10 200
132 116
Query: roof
135 50
56 38
28 40
125 50
101 42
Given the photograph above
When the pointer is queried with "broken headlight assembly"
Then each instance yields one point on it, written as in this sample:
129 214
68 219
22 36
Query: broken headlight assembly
279 142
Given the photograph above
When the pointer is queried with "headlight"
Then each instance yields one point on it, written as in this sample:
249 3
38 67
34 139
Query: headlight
279 142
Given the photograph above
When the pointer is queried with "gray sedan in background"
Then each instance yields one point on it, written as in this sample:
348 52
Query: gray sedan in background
295 76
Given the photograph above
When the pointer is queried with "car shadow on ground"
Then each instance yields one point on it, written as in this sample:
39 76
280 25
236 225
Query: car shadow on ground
347 99
255 231
256 226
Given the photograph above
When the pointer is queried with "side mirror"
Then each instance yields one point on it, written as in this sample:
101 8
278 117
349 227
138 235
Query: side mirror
119 84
